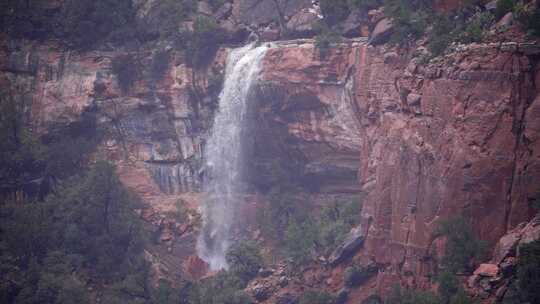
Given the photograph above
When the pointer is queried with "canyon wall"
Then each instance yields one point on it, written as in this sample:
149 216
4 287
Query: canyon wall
454 137
423 141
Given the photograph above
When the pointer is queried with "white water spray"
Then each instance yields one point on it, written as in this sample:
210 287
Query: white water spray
224 154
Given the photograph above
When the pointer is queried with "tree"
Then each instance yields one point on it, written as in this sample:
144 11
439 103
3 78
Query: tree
95 220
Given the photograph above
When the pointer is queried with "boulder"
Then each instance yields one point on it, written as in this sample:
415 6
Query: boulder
301 23
487 270
382 31
506 21
505 247
353 242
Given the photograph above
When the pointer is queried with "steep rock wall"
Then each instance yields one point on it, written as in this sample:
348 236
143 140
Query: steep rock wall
457 137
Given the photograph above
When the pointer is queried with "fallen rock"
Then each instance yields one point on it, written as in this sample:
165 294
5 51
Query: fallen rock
487 270
382 31
351 244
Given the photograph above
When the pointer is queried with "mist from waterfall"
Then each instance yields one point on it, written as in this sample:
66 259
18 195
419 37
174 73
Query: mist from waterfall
224 155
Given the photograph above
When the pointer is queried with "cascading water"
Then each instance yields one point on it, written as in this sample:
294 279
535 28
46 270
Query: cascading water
224 154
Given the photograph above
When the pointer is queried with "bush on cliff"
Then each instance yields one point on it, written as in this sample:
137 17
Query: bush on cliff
528 272
336 220
201 44
244 260
300 240
410 19
223 288
463 248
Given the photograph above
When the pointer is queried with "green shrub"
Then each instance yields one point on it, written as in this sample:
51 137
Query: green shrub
457 28
410 19
126 69
300 240
244 260
528 272
473 31
463 248
448 285
316 297
336 220
356 275
224 288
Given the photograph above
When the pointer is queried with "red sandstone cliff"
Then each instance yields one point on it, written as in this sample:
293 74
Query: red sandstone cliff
460 135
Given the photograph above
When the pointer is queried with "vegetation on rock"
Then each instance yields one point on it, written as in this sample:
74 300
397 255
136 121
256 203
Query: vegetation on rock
244 260
528 272
463 248
126 68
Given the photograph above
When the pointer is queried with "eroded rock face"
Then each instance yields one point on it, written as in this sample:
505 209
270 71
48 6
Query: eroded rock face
429 142
153 132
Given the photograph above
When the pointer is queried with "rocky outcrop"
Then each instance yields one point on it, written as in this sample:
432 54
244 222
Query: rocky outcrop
353 241
491 281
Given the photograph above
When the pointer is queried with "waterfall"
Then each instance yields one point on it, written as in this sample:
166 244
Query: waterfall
224 155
